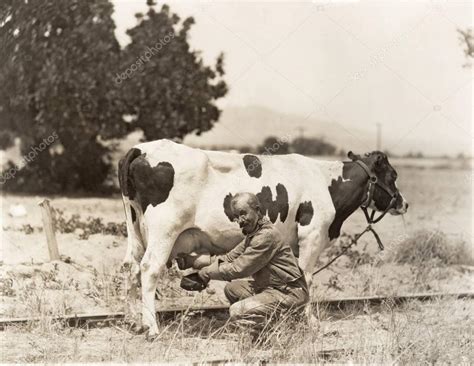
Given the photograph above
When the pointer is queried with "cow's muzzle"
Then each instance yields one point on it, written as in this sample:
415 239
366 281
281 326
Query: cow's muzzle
401 206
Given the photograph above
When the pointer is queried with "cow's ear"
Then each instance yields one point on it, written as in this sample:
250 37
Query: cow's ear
352 156
378 164
378 159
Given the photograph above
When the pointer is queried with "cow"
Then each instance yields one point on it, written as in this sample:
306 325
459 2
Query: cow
177 201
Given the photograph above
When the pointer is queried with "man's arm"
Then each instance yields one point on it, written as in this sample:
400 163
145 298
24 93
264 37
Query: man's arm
255 256
205 260
233 254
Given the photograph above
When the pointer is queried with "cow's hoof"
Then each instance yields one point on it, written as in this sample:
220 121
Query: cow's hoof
151 337
136 328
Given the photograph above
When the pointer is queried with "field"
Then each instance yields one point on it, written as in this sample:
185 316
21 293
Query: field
429 250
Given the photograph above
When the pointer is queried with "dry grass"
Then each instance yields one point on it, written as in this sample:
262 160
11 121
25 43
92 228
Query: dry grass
433 248
434 332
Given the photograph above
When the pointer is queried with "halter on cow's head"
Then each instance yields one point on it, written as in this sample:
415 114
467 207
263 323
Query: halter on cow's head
382 192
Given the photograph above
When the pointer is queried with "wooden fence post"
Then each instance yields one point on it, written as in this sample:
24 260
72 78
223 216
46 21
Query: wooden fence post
48 227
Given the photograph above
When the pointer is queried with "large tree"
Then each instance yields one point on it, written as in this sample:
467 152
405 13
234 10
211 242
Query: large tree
58 74
56 77
166 85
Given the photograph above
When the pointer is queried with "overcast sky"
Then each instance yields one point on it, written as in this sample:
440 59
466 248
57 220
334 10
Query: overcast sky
355 63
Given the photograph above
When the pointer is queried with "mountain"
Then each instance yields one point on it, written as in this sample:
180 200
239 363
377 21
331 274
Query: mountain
240 126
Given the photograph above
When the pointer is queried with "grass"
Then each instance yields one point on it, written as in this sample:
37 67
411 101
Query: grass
90 226
433 248
433 332
423 261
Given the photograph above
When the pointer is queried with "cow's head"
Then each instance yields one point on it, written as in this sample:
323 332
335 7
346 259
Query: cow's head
379 165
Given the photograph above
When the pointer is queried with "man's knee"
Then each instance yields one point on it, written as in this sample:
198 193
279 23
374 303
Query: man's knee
232 293
236 311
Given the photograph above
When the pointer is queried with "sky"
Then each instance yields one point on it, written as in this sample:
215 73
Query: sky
353 64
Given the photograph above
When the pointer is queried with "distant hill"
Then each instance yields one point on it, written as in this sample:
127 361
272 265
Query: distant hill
240 126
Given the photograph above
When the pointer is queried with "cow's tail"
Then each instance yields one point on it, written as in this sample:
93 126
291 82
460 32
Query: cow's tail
133 212
126 182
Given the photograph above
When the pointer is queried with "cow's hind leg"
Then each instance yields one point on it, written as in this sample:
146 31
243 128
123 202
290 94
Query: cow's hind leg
131 262
162 234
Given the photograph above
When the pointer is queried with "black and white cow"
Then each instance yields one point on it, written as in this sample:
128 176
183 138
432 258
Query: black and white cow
173 193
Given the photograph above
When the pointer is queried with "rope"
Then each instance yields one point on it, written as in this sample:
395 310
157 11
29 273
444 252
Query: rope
345 249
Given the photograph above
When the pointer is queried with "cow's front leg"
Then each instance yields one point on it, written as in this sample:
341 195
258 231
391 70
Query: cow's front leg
312 241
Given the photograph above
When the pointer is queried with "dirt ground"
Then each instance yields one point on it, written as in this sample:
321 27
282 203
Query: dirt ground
440 200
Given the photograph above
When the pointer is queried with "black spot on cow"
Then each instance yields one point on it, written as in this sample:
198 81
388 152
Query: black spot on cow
228 208
268 206
346 194
152 184
273 208
282 201
126 184
305 213
253 165
134 214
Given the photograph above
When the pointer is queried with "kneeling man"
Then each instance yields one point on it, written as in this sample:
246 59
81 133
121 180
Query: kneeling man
278 283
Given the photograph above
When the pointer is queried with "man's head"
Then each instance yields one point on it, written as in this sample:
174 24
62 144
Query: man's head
246 211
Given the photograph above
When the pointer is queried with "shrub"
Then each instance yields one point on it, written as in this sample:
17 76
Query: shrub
92 225
426 247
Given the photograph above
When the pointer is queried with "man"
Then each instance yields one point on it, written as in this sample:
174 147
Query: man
278 283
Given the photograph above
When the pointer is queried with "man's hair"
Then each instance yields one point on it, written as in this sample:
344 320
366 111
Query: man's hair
250 198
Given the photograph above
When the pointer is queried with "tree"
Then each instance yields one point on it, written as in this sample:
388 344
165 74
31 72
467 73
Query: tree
58 76
7 139
166 85
312 146
272 145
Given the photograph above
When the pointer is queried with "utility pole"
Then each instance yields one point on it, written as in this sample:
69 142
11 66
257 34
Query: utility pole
379 136
301 131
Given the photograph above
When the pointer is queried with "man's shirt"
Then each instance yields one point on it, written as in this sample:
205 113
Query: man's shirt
262 255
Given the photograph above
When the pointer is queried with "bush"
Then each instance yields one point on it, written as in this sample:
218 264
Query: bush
273 146
426 247
93 225
7 140
312 146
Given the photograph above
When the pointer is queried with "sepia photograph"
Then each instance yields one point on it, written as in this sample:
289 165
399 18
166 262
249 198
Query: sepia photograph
220 182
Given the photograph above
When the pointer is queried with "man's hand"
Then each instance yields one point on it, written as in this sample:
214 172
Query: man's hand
205 273
196 261
202 261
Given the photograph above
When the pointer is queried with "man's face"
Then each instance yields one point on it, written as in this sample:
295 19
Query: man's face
245 215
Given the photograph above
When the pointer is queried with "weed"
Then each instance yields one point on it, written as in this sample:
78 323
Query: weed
92 225
432 248
356 257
